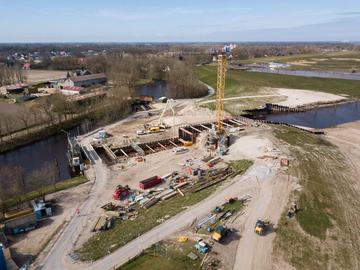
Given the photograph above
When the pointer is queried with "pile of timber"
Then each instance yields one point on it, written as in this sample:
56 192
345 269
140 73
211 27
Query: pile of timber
213 177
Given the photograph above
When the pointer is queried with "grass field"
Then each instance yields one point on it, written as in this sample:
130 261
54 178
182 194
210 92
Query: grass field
339 61
165 255
321 235
241 83
124 231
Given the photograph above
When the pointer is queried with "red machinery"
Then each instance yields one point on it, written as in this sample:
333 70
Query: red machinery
121 192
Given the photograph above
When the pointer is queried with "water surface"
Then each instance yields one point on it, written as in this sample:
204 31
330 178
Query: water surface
324 117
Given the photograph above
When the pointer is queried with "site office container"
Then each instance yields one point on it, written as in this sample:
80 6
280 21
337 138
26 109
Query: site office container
150 182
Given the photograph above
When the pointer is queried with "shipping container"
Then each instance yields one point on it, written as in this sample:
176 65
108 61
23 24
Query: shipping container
150 182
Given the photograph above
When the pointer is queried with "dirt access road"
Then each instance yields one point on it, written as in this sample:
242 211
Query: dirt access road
239 187
262 182
57 256
293 97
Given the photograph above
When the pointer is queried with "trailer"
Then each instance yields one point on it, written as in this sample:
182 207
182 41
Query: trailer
21 224
150 182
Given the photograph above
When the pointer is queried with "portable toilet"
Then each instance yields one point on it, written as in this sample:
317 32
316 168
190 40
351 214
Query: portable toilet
102 134
2 258
41 209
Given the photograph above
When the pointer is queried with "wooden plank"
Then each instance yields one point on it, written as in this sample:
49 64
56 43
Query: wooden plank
205 127
197 130
234 122
174 144
186 131
226 124
122 151
238 121
152 150
109 151
162 146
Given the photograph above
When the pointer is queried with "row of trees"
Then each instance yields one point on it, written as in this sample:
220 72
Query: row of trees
14 182
48 111
124 71
10 75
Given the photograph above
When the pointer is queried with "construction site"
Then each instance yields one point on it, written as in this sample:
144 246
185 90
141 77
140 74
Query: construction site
176 178
173 167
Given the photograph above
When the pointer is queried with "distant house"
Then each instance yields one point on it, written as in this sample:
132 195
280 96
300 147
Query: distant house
14 88
85 81
72 90
26 66
82 72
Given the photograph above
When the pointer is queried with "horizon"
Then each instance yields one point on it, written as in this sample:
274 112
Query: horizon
184 21
178 42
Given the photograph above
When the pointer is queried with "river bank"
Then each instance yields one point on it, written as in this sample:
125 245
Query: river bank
316 116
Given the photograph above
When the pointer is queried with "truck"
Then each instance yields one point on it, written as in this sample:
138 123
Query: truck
220 233
150 182
262 226
202 247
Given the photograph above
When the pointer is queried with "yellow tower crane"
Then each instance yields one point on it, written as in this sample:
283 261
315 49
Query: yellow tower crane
220 91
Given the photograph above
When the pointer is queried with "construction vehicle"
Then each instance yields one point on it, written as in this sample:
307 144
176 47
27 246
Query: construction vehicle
180 150
262 226
182 239
160 126
201 246
121 192
156 129
220 233
141 132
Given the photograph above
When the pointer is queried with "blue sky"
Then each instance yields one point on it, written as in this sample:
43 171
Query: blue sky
172 21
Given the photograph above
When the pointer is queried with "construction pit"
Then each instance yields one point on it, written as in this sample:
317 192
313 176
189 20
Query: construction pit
193 124
163 212
158 157
187 136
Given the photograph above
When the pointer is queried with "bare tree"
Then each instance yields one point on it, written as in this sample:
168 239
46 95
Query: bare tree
10 75
62 106
25 119
41 178
12 182
46 106
183 83
8 124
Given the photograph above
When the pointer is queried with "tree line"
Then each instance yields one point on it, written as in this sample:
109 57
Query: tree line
10 75
14 182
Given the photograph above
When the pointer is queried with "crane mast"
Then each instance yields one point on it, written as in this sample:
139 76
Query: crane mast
220 90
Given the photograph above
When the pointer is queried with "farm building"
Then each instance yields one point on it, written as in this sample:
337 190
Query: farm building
72 90
85 81
14 88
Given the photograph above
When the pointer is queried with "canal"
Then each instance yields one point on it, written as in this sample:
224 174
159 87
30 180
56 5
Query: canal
51 151
323 117
310 73
156 89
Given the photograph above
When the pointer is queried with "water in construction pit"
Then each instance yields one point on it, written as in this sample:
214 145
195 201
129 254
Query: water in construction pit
324 117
